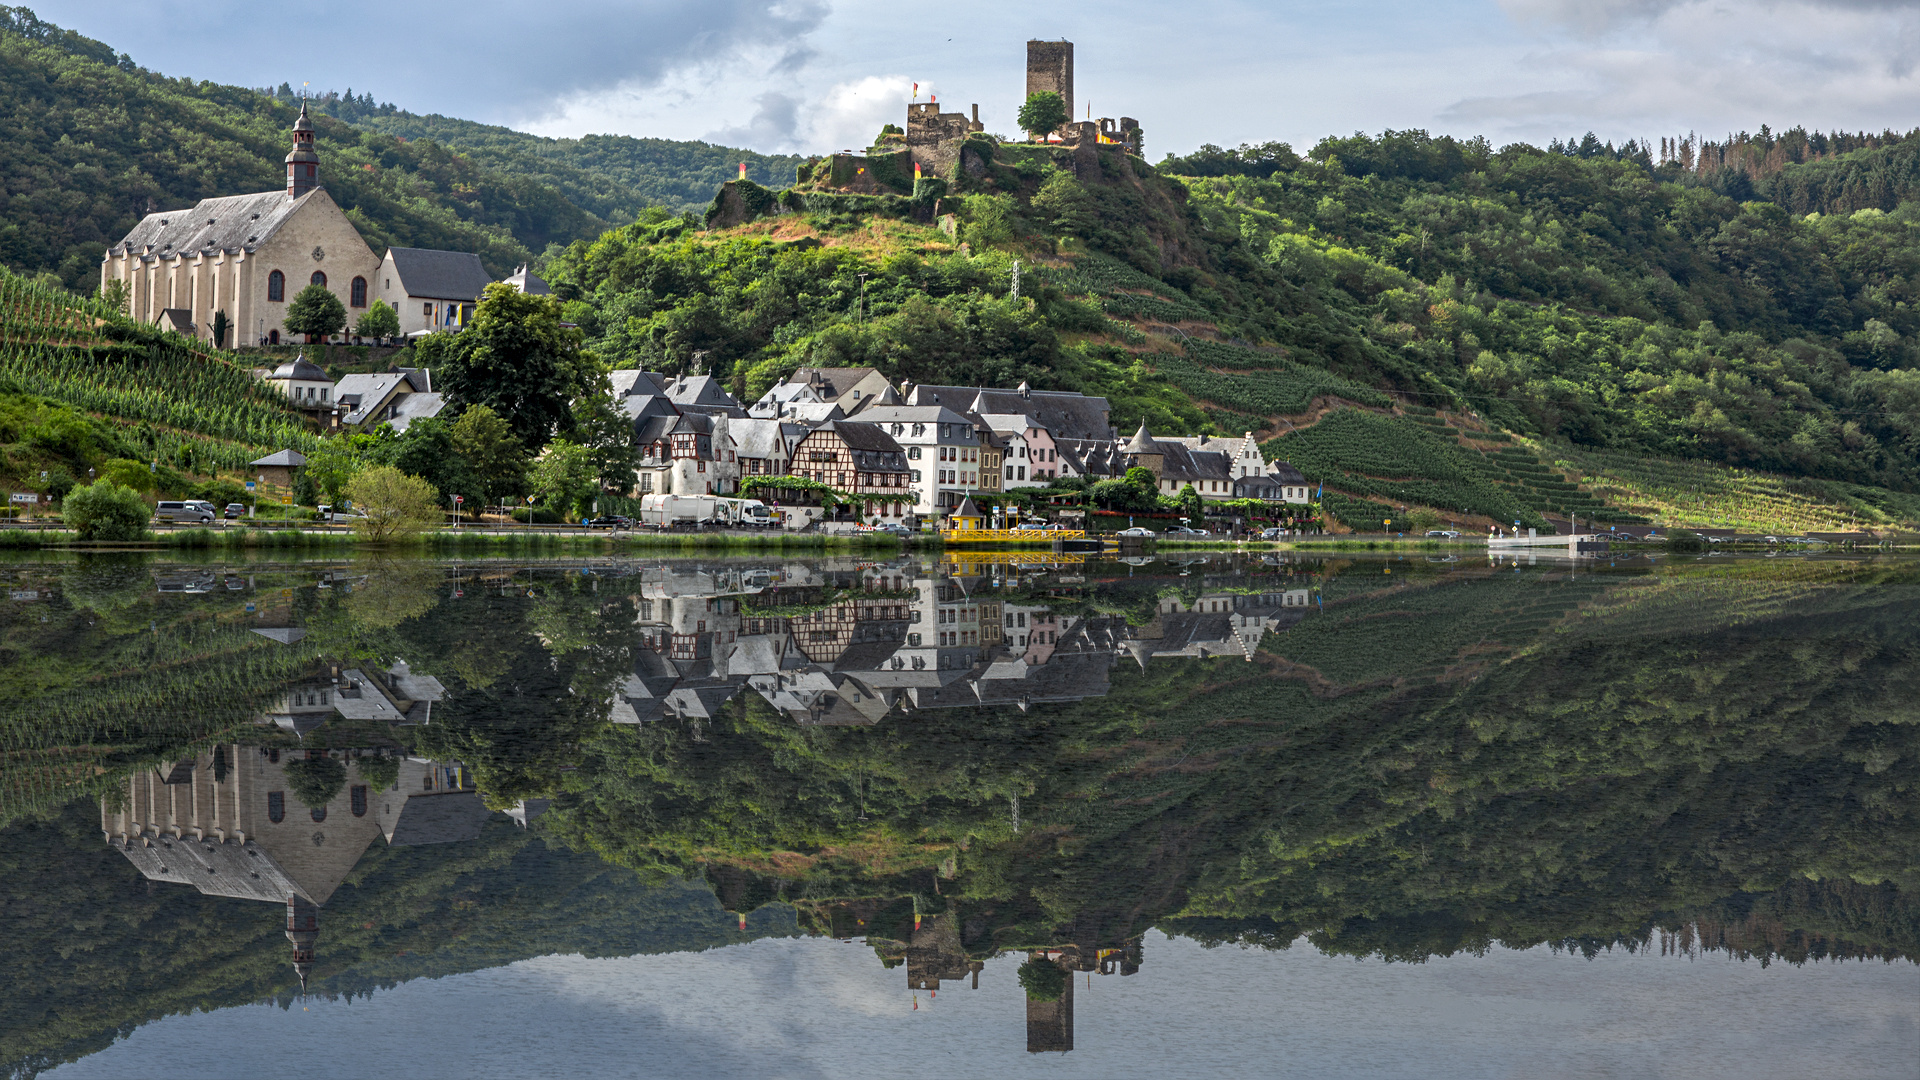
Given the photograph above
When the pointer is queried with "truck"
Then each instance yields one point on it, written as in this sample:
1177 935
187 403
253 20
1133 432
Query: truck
703 511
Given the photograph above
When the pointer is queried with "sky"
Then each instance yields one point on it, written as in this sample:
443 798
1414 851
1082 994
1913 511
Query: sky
815 1007
814 76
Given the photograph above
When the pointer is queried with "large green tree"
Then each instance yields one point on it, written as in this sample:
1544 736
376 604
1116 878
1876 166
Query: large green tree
1042 113
315 312
495 458
517 359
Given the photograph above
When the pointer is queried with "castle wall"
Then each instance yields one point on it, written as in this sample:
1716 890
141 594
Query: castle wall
934 137
1050 68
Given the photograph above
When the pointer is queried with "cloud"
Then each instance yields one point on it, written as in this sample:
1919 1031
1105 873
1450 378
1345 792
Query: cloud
1652 67
477 59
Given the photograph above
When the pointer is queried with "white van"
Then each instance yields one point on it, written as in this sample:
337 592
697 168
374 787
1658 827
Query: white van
193 513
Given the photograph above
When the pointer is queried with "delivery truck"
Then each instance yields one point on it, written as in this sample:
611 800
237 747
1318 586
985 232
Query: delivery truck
703 511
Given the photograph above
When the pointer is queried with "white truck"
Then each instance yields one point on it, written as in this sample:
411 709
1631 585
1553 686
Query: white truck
702 511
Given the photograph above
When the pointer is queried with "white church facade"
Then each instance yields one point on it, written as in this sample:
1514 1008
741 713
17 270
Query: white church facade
248 256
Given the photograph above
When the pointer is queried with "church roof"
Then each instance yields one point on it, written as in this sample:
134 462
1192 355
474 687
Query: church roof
1142 441
440 275
230 223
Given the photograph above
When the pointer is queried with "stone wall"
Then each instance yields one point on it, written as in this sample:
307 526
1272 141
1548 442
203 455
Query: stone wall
934 137
1050 68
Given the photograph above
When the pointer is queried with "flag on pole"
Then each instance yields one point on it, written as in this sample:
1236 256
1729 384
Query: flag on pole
916 91
743 170
916 172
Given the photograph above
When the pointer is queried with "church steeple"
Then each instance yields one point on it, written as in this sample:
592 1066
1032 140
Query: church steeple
303 164
303 929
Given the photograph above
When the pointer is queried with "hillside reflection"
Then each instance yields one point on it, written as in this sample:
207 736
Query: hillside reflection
947 761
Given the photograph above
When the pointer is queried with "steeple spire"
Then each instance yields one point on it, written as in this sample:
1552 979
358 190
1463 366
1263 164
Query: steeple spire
303 164
303 929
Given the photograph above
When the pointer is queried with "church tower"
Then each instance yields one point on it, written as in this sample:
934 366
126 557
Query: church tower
303 929
303 164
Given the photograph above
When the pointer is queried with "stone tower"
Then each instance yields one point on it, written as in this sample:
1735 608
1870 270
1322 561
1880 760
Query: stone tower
1050 68
303 164
303 930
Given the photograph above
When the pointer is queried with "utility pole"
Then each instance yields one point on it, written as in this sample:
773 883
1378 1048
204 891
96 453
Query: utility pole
1015 295
863 297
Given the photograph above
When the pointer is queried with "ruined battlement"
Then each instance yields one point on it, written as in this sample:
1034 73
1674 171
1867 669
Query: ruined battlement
934 137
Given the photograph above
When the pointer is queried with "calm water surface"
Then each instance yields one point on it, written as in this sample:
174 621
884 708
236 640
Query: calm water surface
1195 816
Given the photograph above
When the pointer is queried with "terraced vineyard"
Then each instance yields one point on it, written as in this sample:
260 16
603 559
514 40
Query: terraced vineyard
1701 495
185 404
1417 461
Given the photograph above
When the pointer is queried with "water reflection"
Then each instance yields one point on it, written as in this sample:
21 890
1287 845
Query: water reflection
950 762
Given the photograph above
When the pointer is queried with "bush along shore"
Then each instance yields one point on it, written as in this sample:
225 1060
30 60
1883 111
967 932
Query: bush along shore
474 540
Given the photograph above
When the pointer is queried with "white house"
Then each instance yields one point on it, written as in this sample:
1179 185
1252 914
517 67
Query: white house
943 452
431 290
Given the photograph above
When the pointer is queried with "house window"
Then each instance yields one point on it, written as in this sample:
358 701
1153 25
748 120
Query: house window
276 287
318 814
319 279
359 800
276 806
358 293
426 311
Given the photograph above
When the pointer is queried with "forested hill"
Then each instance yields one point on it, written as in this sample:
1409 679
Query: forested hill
617 177
89 142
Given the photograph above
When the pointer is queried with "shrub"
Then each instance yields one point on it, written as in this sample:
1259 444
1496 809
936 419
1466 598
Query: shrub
104 510
396 505
1043 980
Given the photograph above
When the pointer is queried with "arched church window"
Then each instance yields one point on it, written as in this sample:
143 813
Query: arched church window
276 286
276 806
359 292
318 813
359 800
319 278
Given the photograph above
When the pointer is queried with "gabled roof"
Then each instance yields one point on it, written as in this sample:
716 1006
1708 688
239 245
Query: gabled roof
1181 465
286 459
702 392
1283 473
629 381
231 223
528 282
832 382
299 369
967 509
761 439
365 394
862 435
440 275
416 407
179 320
913 414
1065 413
439 818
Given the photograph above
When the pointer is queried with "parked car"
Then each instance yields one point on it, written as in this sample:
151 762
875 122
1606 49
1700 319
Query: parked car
1059 527
326 514
611 521
1443 534
1271 534
1182 530
236 510
1137 531
895 528
193 513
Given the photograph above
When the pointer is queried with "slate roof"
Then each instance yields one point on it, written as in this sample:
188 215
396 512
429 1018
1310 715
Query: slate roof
702 392
440 275
179 320
443 817
631 381
1284 473
231 223
243 871
286 459
833 381
529 282
863 435
1065 413
912 414
364 394
300 368
416 407
761 439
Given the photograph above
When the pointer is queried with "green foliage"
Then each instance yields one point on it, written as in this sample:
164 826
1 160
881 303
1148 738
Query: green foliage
1063 204
1042 979
104 510
514 358
316 779
564 479
378 322
495 458
1042 113
222 326
379 771
397 506
316 312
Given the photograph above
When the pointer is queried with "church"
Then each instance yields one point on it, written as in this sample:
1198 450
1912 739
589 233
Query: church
247 256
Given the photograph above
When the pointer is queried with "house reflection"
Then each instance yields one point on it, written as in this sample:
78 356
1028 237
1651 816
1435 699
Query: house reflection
852 647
